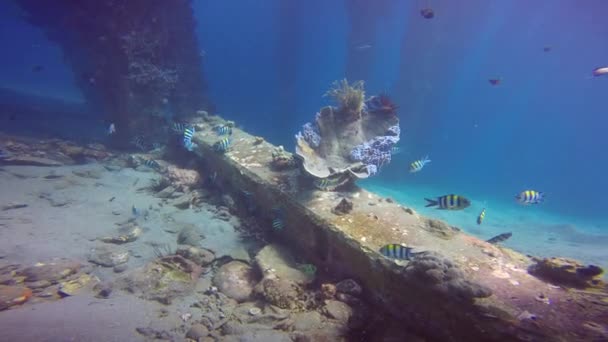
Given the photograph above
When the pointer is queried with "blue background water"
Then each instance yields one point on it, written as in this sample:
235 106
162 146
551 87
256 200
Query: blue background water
269 65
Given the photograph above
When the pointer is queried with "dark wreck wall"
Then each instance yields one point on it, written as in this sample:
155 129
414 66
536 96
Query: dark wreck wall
137 60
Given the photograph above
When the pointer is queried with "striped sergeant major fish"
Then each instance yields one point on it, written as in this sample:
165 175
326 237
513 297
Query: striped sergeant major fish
140 143
223 130
179 127
249 200
222 145
499 238
189 145
397 251
481 216
330 183
278 220
530 197
4 154
189 132
153 164
449 202
419 164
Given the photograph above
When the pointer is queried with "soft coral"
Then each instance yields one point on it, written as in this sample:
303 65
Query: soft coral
381 104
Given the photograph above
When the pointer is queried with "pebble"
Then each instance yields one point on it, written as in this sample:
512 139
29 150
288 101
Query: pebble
526 315
501 274
14 206
120 268
543 299
197 331
255 311
108 257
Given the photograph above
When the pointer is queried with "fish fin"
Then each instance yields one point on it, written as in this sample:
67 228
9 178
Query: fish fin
431 202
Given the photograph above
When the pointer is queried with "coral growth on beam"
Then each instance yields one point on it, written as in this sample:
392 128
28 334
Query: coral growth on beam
354 139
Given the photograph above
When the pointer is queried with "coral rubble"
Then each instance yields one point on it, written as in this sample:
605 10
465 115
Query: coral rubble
566 272
344 207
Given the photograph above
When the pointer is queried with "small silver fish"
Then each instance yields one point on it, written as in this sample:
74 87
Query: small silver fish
137 213
111 129
600 71
364 47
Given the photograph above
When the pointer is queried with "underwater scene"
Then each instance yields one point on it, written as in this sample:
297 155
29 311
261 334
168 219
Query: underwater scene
321 170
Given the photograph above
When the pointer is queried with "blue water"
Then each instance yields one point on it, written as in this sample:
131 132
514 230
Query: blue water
542 128
268 65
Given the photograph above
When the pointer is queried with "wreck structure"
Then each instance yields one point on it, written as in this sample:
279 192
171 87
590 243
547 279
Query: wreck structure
138 61
457 288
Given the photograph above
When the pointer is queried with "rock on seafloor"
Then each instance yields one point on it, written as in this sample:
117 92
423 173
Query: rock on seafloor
350 287
108 256
189 235
433 271
236 280
200 256
282 293
31 161
13 295
567 272
50 273
277 260
338 310
439 228
197 331
13 205
163 279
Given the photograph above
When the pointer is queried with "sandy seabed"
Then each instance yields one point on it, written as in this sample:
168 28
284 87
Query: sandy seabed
60 213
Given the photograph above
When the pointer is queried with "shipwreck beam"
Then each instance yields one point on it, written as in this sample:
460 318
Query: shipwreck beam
461 289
